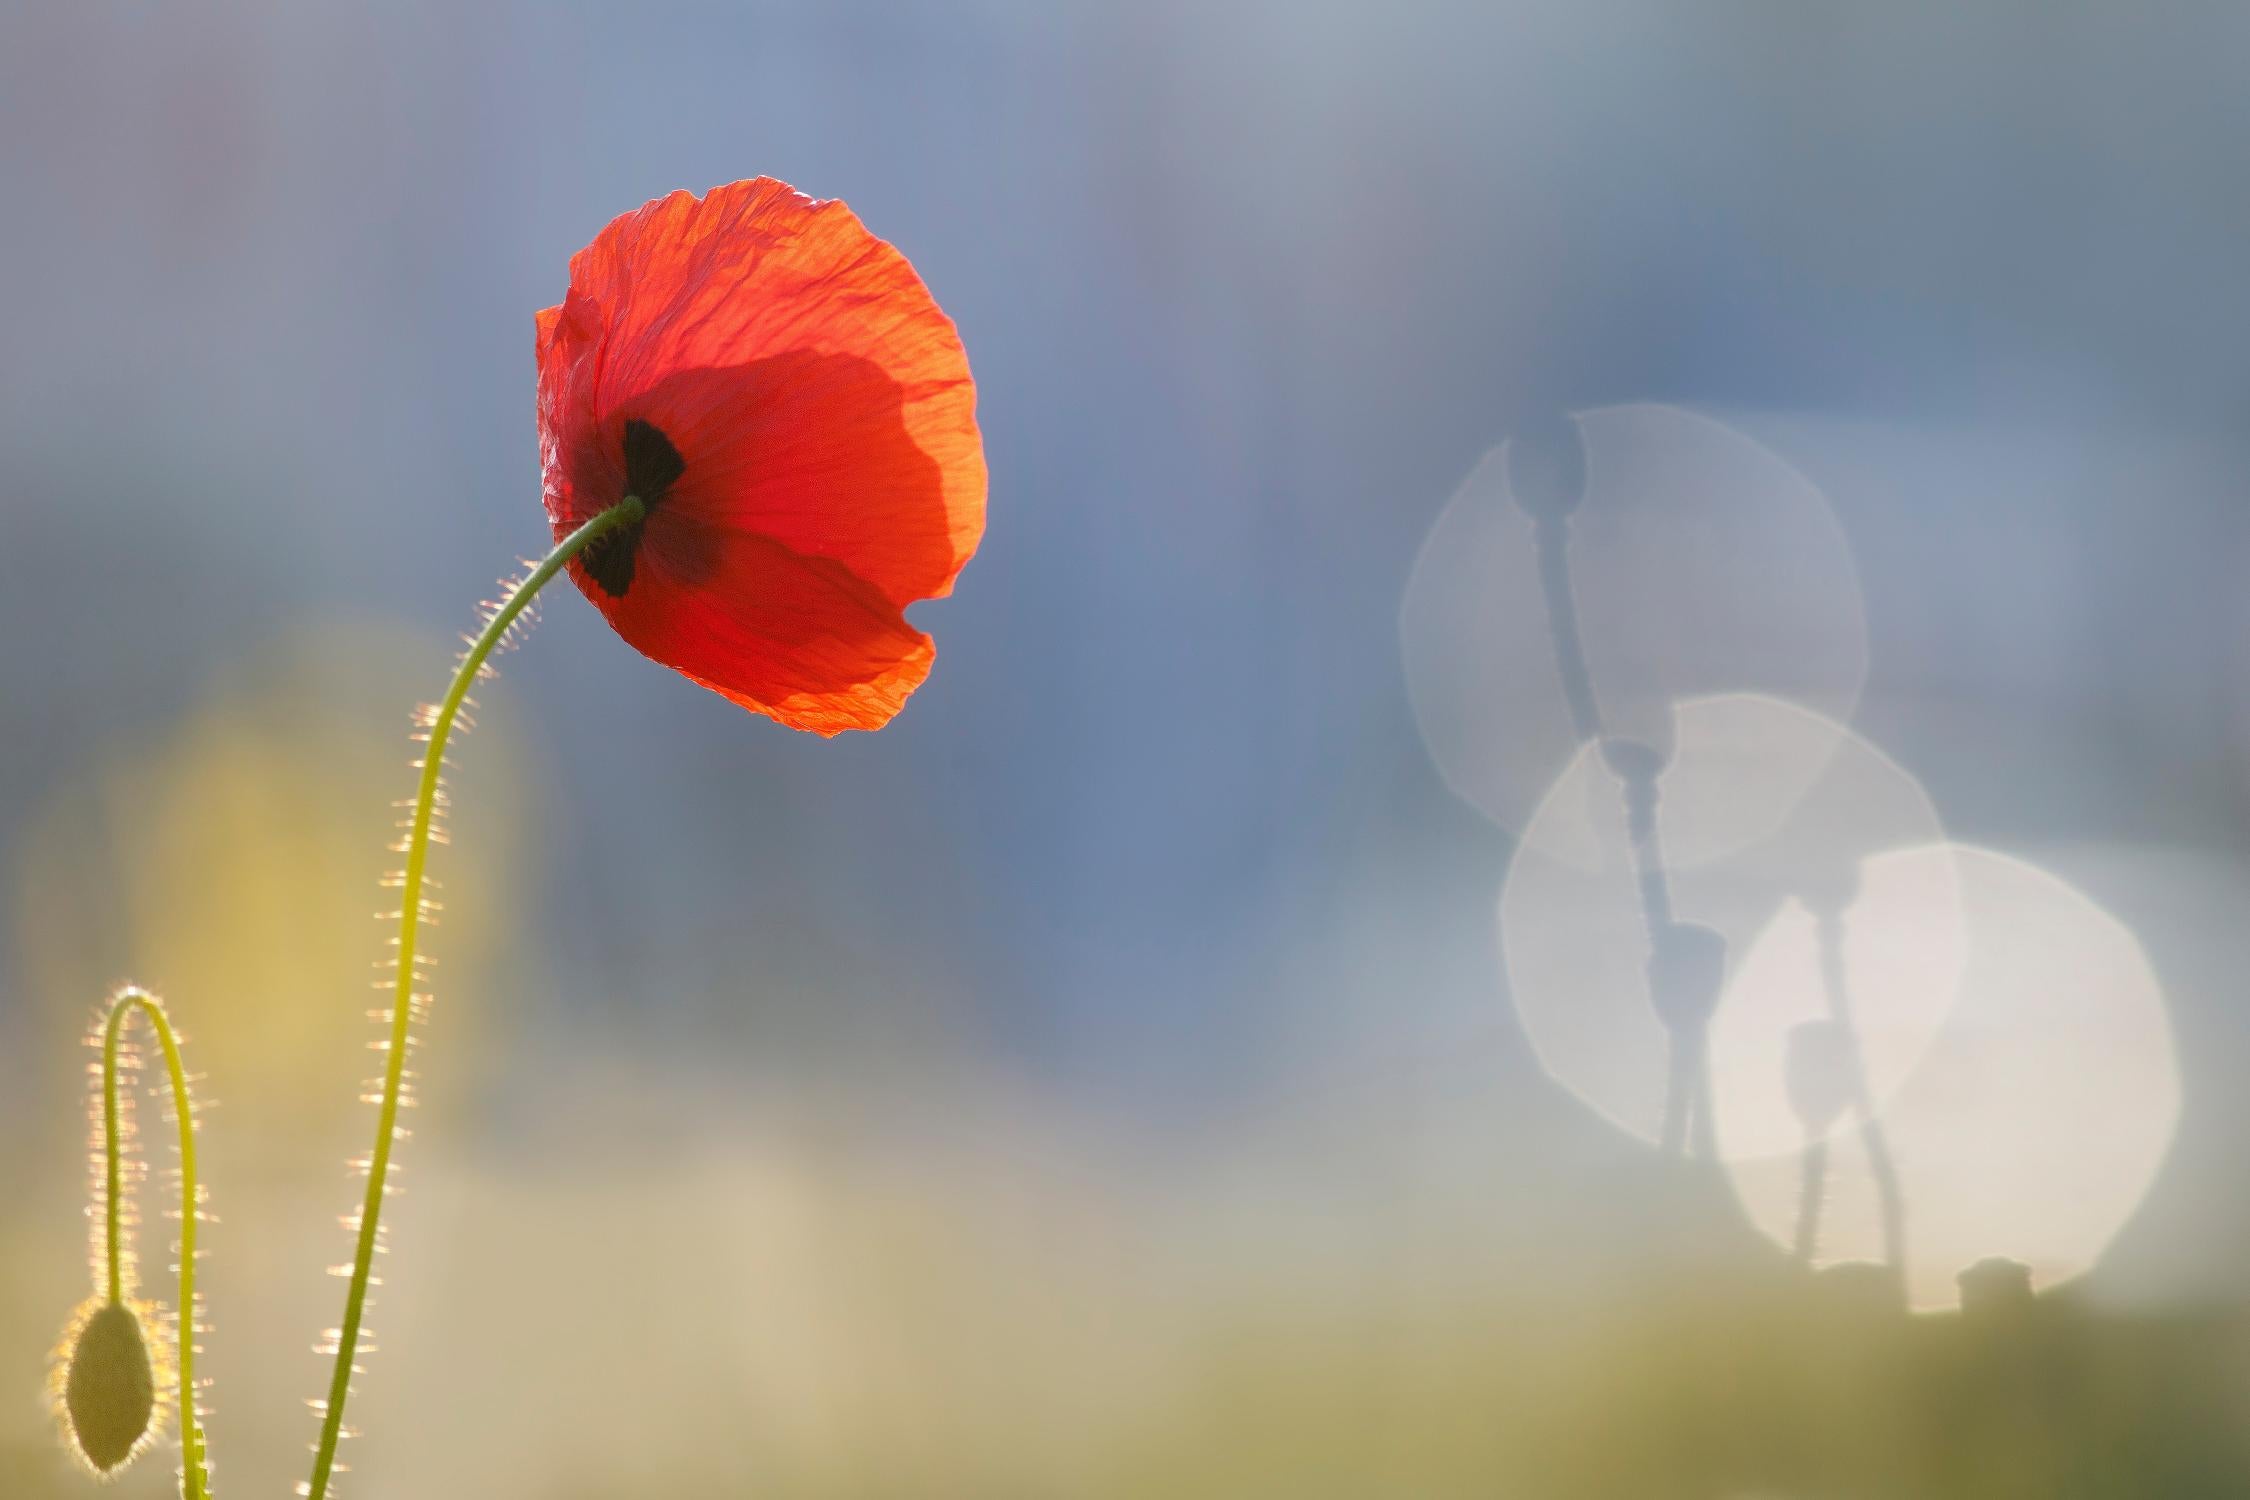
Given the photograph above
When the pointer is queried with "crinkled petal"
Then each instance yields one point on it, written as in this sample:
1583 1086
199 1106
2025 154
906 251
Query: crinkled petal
818 394
799 639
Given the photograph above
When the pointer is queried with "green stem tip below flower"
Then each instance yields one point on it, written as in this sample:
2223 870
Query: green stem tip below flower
407 1003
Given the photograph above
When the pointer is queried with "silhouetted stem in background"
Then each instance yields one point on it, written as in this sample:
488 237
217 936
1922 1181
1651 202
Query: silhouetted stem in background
1637 773
1679 1094
1890 1200
1637 767
1812 1187
1562 626
624 513
195 1479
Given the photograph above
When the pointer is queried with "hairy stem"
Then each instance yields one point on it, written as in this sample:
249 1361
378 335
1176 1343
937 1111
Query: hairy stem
625 512
195 1477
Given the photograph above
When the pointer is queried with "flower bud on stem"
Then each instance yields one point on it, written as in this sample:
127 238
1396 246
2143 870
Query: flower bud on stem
112 1371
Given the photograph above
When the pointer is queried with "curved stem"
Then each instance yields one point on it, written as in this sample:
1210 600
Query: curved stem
195 1478
624 513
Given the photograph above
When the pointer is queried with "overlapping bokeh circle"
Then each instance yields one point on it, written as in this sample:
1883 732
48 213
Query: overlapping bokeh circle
2008 1040
1702 564
2038 1115
1575 945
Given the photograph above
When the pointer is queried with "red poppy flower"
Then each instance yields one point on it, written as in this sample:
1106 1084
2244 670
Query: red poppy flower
780 390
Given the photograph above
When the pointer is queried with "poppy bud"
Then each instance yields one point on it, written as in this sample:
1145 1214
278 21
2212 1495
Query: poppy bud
1829 886
1687 968
107 1385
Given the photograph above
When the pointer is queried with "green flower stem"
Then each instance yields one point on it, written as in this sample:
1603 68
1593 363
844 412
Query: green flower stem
195 1477
624 513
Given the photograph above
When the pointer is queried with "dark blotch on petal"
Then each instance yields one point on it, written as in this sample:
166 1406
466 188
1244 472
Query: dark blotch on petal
652 464
652 467
609 560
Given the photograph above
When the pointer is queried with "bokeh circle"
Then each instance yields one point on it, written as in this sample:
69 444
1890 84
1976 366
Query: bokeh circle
1702 563
2036 1119
1853 842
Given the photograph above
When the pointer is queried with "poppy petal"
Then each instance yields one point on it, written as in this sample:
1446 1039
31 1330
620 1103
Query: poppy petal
799 639
819 394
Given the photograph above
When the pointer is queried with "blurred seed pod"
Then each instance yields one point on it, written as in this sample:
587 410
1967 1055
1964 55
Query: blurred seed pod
1687 968
1820 1067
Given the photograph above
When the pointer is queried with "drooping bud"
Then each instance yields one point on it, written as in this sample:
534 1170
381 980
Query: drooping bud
1687 968
1828 886
108 1383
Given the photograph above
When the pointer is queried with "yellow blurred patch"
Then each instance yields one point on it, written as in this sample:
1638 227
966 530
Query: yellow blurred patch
235 860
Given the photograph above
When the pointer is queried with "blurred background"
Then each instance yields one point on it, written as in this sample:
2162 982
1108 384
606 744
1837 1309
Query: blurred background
1205 1046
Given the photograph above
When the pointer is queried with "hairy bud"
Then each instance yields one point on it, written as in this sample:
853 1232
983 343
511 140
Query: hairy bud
108 1383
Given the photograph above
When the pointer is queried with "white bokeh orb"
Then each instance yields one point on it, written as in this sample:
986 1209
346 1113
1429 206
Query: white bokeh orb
1701 564
1575 943
2037 1118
